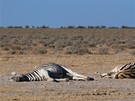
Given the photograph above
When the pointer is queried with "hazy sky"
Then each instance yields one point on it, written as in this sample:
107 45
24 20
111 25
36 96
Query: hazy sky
57 13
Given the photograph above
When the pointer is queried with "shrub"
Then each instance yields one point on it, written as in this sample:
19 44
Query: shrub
62 43
16 52
92 44
12 52
49 42
131 44
41 50
80 50
103 51
14 47
132 52
6 48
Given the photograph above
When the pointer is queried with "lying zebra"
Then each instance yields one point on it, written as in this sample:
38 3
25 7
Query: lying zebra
50 72
122 71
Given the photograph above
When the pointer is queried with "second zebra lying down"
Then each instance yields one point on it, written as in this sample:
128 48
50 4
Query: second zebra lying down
124 71
50 72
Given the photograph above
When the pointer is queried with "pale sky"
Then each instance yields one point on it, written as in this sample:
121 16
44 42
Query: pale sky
58 13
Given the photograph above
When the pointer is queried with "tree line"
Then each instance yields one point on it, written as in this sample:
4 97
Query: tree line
99 27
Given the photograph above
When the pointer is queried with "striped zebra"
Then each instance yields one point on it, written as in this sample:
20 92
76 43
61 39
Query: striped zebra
124 71
50 72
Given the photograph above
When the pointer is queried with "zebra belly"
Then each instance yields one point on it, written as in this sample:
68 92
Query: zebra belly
52 72
55 75
56 72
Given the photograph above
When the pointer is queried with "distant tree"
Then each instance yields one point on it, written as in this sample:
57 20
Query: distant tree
33 26
132 27
18 27
27 26
90 26
81 27
103 27
113 27
97 27
10 27
71 27
124 27
44 26
127 27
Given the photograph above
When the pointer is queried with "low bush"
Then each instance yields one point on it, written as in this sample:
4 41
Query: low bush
80 50
132 52
61 43
41 50
103 50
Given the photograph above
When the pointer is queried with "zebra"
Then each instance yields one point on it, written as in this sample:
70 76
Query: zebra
50 72
123 71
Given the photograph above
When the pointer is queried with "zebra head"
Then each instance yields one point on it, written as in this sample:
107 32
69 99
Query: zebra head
20 78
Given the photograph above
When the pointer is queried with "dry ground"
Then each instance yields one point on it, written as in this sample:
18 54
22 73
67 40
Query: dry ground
93 65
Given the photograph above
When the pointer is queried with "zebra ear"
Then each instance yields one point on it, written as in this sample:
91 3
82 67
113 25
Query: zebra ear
35 67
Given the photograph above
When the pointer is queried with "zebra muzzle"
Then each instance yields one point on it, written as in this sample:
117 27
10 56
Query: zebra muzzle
16 79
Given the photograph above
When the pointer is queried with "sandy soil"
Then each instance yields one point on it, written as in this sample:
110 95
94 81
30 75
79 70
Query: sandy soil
98 90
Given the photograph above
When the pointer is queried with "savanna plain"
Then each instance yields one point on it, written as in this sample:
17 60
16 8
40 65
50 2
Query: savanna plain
88 51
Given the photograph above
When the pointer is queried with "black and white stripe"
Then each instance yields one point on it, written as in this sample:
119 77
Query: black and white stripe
122 71
50 71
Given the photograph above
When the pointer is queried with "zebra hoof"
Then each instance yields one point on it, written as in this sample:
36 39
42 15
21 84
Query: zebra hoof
90 79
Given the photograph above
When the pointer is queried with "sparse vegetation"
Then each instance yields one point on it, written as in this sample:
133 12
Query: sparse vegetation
71 41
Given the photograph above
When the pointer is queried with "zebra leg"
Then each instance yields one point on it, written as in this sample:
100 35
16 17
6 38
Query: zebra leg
123 75
108 75
62 80
76 76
